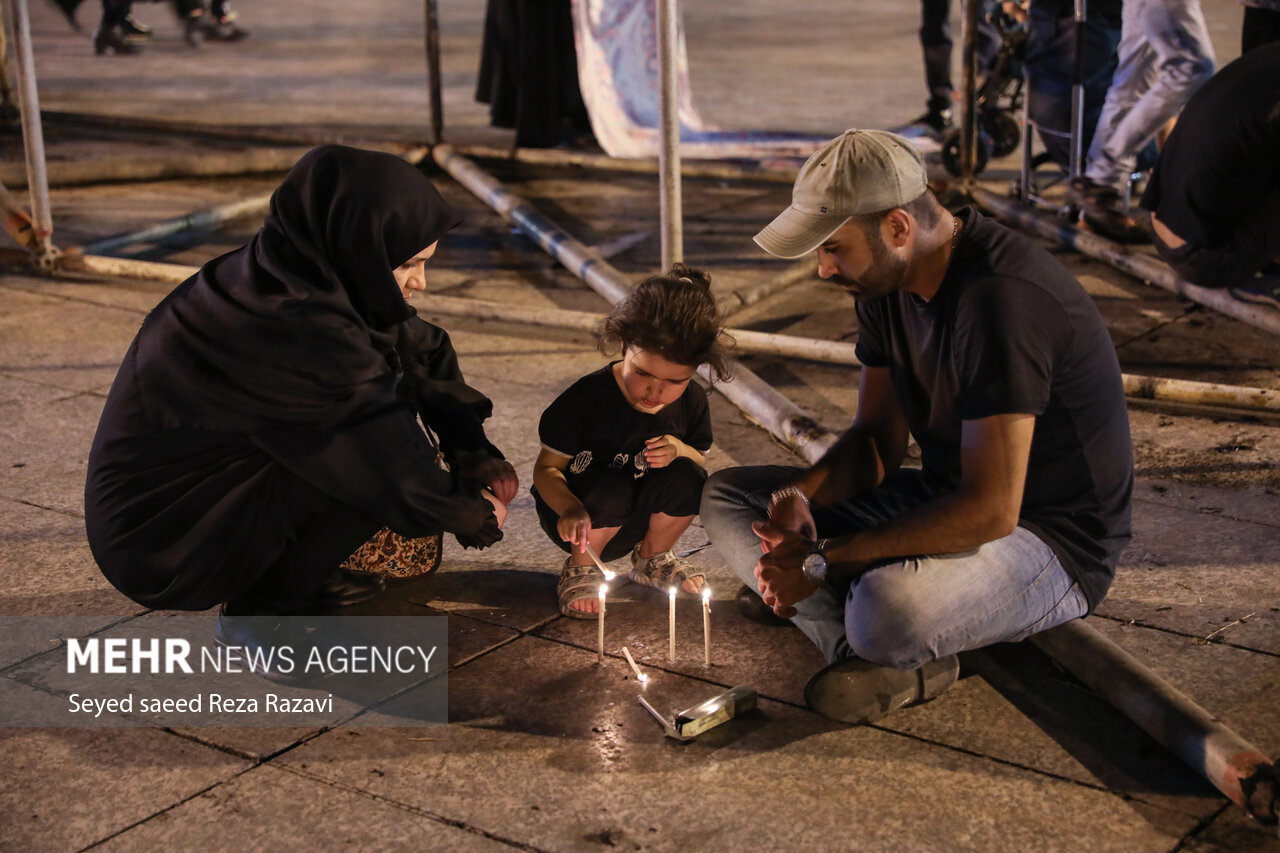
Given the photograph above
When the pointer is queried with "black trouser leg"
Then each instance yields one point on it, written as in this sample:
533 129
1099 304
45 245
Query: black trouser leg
309 561
935 44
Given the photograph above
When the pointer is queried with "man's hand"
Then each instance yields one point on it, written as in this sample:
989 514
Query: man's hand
662 450
781 580
574 527
791 513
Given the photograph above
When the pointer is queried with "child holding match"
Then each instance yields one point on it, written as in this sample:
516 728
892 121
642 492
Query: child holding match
623 448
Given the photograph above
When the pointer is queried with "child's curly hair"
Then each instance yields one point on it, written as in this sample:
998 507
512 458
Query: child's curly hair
673 315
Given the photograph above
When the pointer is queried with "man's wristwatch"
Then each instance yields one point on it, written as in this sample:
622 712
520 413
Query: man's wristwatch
815 565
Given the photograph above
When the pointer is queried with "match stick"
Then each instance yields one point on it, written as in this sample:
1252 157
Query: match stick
640 676
595 558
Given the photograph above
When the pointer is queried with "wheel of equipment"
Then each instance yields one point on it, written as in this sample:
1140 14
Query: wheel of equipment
951 151
1004 131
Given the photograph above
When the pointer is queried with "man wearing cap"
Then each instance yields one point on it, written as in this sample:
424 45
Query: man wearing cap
981 346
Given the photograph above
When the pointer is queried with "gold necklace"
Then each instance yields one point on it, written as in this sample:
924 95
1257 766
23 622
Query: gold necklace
955 232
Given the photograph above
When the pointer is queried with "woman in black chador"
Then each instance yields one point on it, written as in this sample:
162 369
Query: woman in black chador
263 424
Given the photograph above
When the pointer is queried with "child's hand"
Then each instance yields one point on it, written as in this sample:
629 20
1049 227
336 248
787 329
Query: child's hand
574 527
499 508
661 451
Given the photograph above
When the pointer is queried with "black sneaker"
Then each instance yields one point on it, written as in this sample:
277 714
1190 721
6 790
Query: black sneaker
752 606
933 124
858 691
133 28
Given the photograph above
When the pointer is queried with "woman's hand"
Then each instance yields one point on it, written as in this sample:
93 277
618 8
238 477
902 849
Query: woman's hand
497 475
574 527
662 450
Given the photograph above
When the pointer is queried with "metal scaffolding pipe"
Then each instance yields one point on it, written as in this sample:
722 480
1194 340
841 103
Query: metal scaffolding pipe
432 15
729 170
258 204
124 268
968 92
748 340
1142 266
785 420
672 210
739 300
1200 393
32 135
1231 764
197 165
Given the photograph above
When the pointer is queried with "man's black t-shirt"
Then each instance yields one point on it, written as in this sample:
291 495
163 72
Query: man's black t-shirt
593 424
1223 156
1012 332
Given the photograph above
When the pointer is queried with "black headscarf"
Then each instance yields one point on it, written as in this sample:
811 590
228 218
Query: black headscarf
297 327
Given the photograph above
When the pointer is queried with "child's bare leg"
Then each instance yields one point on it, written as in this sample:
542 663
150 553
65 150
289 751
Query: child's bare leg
664 531
598 538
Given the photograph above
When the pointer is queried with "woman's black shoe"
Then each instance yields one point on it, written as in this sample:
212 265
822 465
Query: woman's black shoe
112 41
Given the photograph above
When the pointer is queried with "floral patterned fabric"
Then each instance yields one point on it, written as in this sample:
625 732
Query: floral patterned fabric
389 553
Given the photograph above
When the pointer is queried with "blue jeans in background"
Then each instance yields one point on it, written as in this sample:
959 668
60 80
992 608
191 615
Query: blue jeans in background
1164 56
904 612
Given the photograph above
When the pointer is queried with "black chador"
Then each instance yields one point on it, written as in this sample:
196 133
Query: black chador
263 424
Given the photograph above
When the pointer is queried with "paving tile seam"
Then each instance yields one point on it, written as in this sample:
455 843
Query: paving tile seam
1202 513
1172 408
408 807
67 297
25 502
72 393
166 809
1201 825
1036 771
1200 640
31 657
1140 335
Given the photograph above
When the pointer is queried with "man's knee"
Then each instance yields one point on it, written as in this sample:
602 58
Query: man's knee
883 621
723 491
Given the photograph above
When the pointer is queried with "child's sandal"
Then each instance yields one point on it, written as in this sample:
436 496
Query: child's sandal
578 583
664 571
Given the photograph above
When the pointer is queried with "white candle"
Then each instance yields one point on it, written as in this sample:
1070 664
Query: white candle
706 625
604 589
671 622
640 676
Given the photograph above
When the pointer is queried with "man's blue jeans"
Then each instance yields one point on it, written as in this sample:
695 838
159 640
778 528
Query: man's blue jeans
905 612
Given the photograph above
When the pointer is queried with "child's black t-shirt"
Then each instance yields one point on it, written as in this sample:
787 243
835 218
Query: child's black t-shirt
593 424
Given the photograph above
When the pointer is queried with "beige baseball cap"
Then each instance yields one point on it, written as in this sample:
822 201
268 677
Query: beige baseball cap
860 171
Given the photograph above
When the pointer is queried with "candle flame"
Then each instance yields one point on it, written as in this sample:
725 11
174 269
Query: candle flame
706 593
671 591
604 588
643 678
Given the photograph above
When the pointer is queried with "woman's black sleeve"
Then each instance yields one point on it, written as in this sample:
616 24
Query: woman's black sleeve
434 387
384 466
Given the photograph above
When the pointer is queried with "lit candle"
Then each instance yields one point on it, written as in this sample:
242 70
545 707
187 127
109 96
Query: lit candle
706 625
604 589
671 622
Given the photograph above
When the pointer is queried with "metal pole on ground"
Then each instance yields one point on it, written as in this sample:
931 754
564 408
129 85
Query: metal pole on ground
1142 266
729 170
32 135
738 301
199 165
785 420
968 92
198 219
669 153
748 340
432 14
1076 157
1231 764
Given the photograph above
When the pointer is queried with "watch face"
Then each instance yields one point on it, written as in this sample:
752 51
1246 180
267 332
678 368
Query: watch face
815 567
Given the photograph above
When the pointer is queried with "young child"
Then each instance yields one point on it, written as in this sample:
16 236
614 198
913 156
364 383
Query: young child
623 447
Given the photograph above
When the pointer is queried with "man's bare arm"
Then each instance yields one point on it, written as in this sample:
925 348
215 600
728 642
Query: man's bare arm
984 507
